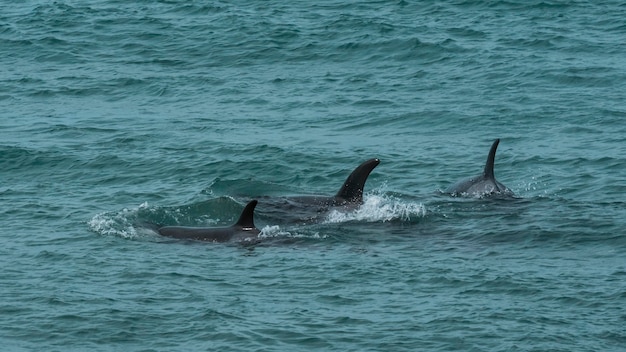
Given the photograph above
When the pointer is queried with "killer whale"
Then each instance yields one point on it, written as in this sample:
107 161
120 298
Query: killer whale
351 192
484 184
242 230
307 208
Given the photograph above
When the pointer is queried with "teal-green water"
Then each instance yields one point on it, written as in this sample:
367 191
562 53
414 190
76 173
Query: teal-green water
113 112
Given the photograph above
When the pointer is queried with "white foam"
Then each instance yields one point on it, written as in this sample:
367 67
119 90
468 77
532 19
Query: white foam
117 224
275 231
379 207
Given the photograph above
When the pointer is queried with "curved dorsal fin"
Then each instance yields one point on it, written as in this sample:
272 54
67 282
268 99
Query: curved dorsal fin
246 220
490 160
352 189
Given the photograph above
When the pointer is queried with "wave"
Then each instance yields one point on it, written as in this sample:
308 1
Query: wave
121 223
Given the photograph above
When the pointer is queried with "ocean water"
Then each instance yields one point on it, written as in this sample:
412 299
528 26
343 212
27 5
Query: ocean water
112 112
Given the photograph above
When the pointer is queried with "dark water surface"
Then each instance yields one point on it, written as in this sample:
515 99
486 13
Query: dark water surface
113 112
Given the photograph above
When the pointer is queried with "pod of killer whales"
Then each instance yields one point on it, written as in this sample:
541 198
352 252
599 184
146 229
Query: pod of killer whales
350 195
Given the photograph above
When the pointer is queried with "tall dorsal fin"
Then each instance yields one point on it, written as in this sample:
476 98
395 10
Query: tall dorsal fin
490 160
246 220
352 189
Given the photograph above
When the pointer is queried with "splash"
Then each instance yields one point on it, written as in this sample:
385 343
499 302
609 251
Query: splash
379 207
117 223
273 231
276 231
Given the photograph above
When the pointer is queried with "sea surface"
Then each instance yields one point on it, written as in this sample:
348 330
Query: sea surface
118 112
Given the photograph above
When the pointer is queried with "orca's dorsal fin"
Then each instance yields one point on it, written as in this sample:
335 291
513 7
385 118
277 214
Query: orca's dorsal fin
488 173
246 220
352 189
